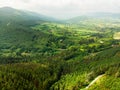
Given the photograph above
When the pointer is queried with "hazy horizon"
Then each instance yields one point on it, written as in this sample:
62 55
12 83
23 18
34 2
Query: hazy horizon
64 8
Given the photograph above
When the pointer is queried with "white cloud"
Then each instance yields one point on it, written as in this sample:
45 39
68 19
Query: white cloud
64 8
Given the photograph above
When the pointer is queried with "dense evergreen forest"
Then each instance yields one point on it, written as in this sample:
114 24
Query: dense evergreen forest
41 53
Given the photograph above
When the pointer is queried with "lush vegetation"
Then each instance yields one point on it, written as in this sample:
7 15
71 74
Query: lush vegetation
36 54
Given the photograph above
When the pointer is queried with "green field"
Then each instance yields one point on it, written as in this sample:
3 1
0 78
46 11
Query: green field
117 36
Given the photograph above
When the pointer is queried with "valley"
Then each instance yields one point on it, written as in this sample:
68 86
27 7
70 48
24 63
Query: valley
42 53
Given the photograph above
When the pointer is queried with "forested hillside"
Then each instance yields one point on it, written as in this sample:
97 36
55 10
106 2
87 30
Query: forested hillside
42 53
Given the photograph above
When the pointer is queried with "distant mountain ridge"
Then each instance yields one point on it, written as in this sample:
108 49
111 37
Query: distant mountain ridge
8 13
103 15
95 16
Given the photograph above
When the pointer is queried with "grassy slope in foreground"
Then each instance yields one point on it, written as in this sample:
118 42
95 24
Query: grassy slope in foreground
106 83
106 62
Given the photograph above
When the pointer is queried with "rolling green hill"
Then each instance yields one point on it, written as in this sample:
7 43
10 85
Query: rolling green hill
17 35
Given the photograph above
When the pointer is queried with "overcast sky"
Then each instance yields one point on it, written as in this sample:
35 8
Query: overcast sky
64 8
